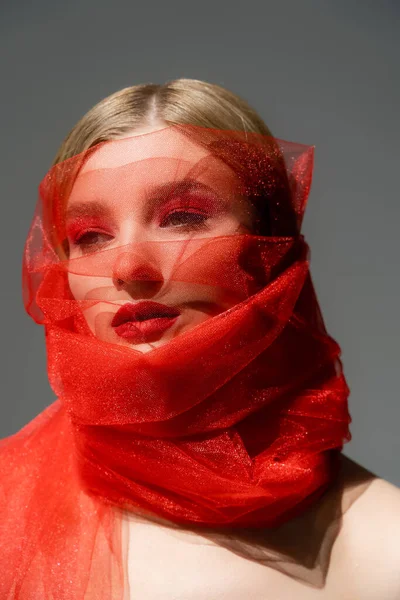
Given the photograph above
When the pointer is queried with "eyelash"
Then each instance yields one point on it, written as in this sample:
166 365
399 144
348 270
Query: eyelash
196 225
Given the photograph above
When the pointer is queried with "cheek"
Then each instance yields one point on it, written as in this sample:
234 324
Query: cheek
229 224
83 286
78 285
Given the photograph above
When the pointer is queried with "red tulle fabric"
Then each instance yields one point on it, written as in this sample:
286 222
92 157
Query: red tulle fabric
236 422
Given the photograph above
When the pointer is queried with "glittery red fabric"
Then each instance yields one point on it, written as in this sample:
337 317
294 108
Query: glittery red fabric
236 421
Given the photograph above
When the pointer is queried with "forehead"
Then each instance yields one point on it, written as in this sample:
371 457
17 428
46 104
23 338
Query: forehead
166 143
126 169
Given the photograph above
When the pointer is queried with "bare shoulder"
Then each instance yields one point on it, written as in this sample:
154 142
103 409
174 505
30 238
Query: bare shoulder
371 533
378 502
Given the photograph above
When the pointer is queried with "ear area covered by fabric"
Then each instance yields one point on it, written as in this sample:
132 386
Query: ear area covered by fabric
196 383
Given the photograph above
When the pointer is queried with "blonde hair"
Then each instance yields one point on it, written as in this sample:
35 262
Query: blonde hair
179 101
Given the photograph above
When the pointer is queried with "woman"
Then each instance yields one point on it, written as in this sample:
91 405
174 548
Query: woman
194 450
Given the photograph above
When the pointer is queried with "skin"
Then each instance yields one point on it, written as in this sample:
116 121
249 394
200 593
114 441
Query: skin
364 560
129 220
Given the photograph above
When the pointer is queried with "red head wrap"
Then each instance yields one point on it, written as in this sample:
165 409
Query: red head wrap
229 415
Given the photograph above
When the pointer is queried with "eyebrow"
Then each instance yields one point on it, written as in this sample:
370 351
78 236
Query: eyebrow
157 195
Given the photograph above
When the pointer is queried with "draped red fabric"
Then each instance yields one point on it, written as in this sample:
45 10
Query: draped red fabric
230 413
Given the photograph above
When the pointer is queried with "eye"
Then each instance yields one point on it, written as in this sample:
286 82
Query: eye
186 219
90 238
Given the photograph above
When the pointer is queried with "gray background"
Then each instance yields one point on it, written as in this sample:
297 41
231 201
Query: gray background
319 72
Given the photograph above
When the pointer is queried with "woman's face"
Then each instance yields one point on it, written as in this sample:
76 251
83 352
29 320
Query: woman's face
119 199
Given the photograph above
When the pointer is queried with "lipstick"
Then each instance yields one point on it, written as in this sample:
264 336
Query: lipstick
143 321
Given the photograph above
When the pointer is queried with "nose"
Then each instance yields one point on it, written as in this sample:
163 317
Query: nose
136 272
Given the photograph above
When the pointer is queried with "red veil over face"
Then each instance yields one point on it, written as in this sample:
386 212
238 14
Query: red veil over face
229 415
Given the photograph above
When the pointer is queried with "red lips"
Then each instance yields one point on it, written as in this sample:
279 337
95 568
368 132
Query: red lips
141 311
